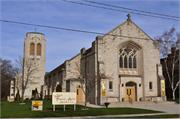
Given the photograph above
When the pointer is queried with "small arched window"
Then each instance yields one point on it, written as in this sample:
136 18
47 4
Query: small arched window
38 49
32 47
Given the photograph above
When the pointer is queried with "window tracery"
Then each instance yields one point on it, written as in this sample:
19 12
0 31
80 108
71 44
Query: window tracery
128 60
127 57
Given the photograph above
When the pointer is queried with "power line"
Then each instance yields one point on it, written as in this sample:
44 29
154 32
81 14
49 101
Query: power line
130 9
119 10
68 29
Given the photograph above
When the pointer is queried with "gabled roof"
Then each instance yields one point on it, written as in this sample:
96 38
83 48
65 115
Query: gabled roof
122 25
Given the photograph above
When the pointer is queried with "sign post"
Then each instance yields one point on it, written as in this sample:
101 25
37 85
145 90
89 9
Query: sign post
64 98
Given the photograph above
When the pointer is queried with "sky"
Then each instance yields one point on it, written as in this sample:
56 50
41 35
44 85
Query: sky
63 45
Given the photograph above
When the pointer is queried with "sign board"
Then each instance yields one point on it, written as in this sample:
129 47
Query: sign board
163 87
36 103
63 98
103 87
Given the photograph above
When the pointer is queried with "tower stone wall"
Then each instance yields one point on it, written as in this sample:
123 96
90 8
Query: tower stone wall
37 60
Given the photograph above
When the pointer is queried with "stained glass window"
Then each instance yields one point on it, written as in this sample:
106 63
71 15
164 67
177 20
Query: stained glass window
130 62
38 49
127 57
121 62
134 62
125 62
32 47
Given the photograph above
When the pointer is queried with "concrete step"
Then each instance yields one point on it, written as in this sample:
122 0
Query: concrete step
82 102
139 103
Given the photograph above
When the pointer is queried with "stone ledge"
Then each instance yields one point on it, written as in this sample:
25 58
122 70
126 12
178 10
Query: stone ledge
126 75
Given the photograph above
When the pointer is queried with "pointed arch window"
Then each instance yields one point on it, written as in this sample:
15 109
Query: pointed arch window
125 62
121 61
32 48
134 63
38 52
127 58
130 62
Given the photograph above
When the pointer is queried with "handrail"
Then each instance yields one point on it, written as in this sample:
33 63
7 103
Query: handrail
130 100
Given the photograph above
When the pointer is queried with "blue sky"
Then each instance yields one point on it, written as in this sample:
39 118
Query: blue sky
63 45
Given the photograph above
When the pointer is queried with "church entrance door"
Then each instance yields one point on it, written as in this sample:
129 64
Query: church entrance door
129 93
79 94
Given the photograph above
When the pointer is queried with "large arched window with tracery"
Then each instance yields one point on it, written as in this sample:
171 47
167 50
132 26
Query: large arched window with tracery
38 52
32 48
127 58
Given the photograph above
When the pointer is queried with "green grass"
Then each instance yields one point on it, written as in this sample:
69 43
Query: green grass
156 116
176 100
15 110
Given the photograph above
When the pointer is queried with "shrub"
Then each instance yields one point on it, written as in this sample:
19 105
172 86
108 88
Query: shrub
58 88
36 94
35 91
3 99
6 95
27 98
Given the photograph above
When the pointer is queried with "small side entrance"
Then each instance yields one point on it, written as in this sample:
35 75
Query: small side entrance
79 94
130 91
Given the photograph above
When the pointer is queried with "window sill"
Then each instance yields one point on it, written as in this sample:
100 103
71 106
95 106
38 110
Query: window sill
150 89
110 90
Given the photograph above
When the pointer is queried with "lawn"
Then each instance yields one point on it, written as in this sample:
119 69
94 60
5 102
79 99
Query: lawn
176 100
15 110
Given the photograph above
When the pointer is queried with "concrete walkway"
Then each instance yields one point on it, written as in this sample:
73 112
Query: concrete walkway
92 105
170 109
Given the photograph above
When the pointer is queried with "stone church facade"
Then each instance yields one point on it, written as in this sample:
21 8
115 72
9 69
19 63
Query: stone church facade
126 54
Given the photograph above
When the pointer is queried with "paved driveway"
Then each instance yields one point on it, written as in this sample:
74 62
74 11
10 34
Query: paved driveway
170 109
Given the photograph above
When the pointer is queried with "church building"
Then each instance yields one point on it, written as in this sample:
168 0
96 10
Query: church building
126 54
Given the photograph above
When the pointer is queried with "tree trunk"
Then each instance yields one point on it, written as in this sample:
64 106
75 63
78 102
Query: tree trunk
85 102
173 94
22 96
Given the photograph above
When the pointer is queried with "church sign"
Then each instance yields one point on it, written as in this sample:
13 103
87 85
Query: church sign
162 87
63 98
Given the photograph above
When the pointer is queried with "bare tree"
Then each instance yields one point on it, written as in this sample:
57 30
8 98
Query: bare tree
90 81
170 44
28 69
7 73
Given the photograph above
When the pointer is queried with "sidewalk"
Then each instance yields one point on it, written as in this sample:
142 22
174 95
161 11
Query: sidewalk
92 105
169 109
106 116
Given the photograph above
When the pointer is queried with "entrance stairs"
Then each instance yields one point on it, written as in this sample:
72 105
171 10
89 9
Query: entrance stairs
139 103
82 102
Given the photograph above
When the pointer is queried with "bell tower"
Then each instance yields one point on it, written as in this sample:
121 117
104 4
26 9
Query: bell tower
34 51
